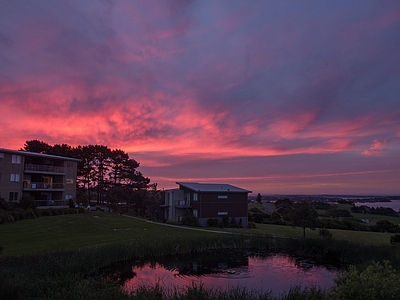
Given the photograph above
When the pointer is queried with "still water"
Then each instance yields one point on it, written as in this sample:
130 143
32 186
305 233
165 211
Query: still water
275 272
395 204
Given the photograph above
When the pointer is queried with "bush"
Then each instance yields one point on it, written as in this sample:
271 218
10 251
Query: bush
255 210
377 281
212 222
325 233
190 220
27 203
260 217
386 226
395 239
251 225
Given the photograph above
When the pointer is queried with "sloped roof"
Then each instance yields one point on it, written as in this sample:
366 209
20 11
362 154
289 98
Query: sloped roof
26 153
212 187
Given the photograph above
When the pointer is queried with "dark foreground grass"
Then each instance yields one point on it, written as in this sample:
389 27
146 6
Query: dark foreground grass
77 274
66 254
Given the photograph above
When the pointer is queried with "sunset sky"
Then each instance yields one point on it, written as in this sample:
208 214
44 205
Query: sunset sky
278 97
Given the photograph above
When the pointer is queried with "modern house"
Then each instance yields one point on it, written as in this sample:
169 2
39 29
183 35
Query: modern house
207 201
48 179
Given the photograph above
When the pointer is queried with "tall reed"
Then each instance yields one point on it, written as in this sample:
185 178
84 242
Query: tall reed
75 274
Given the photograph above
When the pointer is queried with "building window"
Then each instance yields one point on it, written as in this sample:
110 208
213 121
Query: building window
13 196
222 213
69 164
16 159
195 213
195 198
69 181
14 177
1 157
222 197
68 197
187 197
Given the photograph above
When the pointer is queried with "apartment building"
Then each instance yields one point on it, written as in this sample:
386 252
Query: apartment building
49 179
207 201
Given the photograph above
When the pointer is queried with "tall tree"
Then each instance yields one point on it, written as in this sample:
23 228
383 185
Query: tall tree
259 198
118 167
37 146
304 215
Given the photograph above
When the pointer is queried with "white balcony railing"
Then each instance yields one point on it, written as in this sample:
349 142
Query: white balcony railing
44 168
42 185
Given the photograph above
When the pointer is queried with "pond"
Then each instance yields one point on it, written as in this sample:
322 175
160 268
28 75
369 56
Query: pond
274 272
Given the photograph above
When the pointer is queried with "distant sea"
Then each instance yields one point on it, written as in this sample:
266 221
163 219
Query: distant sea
395 204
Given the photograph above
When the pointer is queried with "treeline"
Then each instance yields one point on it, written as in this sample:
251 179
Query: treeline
324 215
104 175
363 209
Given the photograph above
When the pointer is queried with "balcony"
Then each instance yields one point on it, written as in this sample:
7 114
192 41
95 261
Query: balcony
183 204
40 203
42 186
31 168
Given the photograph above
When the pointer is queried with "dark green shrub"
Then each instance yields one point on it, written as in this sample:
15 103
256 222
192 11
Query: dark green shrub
31 214
377 281
71 203
46 212
190 220
386 226
355 225
212 222
224 222
27 203
260 217
255 210
251 225
325 233
395 239
331 223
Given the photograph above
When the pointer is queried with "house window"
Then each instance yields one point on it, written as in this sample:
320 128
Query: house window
195 198
16 159
1 157
68 197
14 177
222 197
69 181
195 213
13 196
222 213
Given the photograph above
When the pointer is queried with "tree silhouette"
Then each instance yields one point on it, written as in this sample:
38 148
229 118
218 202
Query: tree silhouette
304 215
259 198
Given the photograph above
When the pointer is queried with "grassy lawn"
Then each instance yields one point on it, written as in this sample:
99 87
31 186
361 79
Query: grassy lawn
68 232
362 237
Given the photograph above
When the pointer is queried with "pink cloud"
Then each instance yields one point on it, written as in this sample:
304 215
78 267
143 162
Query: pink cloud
376 148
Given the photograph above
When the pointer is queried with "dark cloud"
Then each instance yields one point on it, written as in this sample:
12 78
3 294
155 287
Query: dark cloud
207 82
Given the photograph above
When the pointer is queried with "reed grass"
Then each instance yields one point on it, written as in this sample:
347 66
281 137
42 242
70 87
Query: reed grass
77 274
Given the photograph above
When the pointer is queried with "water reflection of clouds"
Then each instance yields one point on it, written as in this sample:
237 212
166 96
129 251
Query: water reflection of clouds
276 273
